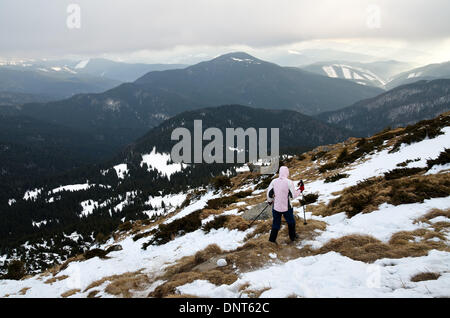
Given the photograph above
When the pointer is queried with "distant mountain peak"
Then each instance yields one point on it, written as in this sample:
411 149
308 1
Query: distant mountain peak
238 57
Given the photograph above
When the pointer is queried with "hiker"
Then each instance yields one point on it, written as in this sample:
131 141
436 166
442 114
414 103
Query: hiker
280 191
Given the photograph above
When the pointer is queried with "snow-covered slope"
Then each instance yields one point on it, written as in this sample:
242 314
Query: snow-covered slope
396 245
379 73
427 72
355 73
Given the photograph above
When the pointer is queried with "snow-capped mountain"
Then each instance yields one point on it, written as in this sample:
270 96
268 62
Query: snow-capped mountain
428 72
50 82
377 74
359 75
378 211
239 78
98 67
58 79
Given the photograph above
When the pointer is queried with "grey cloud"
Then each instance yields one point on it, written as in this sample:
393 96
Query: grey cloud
39 26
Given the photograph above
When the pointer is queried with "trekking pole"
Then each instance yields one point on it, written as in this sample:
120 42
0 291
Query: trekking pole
302 187
304 212
258 215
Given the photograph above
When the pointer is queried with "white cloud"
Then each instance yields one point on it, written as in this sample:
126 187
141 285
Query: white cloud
124 27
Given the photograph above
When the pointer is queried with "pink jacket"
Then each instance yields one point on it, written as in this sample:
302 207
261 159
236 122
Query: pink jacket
280 189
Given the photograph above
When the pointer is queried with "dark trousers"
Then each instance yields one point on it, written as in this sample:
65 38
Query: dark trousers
276 225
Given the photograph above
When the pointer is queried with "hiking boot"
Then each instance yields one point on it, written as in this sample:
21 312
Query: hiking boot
273 236
292 235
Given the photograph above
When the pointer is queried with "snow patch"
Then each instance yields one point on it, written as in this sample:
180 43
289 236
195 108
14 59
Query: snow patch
82 64
438 169
39 224
121 170
88 207
160 162
72 188
330 71
32 194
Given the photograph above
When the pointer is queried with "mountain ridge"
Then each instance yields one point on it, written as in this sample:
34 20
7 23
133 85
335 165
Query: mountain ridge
400 106
233 79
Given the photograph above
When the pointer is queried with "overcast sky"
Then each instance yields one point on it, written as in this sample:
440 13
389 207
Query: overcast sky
188 30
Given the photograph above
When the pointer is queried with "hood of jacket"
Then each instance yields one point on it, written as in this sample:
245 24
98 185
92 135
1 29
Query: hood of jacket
284 172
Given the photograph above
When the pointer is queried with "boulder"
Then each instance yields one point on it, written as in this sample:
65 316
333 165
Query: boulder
254 211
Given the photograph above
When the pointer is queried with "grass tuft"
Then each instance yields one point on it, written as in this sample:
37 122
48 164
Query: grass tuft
178 227
442 159
402 172
420 277
336 177
217 223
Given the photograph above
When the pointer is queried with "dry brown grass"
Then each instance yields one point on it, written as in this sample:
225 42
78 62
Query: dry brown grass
308 231
402 244
405 237
55 270
367 196
123 285
141 226
441 226
358 247
24 290
319 208
255 252
28 276
208 212
303 169
252 255
187 263
210 251
97 283
70 293
420 277
262 227
56 279
67 262
236 222
93 293
214 276
256 199
242 179
252 293
433 214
